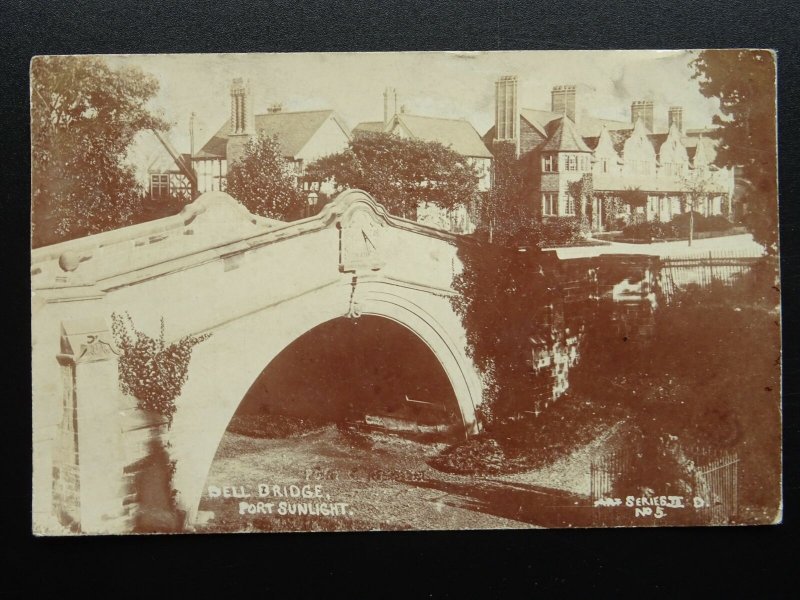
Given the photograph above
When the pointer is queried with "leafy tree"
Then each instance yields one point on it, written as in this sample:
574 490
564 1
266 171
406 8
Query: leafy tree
401 173
744 82
84 116
696 193
263 182
504 210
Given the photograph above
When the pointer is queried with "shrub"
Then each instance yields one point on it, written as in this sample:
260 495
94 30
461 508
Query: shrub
650 230
151 370
617 223
558 231
701 223
681 223
716 223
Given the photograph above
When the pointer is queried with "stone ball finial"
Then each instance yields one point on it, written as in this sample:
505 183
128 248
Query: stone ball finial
69 261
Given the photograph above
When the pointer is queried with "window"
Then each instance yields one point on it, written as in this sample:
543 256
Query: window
643 167
549 204
604 165
548 164
569 202
584 163
159 186
572 163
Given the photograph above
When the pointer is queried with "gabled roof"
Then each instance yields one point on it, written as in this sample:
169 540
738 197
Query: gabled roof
183 166
564 138
604 145
705 147
620 136
672 148
640 140
458 134
293 130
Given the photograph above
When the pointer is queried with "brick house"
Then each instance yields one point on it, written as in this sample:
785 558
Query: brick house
565 145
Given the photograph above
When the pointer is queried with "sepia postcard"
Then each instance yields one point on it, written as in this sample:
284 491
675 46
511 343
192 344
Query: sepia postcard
404 291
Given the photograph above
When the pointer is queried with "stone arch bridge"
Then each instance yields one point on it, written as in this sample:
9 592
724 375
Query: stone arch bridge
256 285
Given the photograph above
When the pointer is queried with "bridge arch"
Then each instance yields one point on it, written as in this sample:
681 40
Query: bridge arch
214 390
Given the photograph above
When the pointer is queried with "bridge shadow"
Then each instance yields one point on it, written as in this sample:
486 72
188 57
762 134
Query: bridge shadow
535 505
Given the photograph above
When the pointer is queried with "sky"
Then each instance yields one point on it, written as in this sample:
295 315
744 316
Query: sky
439 84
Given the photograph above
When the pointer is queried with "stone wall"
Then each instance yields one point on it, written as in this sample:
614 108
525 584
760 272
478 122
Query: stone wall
618 288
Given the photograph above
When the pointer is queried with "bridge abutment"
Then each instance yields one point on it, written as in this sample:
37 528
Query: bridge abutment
89 486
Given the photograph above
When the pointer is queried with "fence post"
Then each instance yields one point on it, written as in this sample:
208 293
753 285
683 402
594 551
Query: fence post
711 266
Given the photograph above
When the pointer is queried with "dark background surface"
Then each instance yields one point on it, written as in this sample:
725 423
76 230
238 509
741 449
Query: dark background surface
665 562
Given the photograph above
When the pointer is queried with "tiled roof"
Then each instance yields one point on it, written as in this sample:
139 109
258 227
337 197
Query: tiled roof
293 130
539 119
564 138
458 134
587 126
590 127
369 127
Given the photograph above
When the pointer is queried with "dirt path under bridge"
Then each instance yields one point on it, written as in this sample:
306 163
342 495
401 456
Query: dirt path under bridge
378 481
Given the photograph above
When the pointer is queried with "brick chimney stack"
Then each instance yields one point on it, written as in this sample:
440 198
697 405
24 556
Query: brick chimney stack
642 109
242 120
506 116
564 101
675 116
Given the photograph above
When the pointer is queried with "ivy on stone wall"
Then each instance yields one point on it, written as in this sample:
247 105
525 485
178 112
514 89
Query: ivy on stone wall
614 211
582 192
151 370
